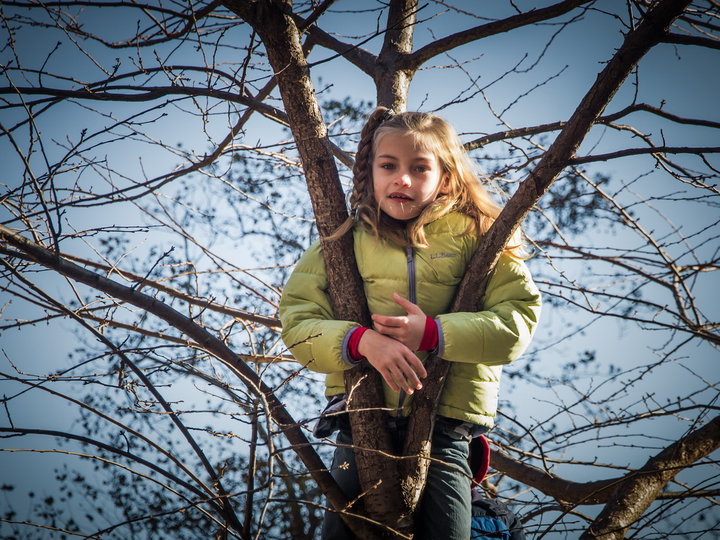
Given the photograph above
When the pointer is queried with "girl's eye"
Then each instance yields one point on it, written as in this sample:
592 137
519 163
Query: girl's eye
421 168
388 166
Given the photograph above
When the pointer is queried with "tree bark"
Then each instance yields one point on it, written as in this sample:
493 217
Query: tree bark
651 30
391 81
450 42
640 488
684 452
205 341
275 25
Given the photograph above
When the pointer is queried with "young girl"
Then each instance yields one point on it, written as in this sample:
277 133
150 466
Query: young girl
418 210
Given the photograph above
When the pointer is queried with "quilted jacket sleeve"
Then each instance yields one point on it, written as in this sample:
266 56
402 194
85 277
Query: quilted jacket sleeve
502 331
309 331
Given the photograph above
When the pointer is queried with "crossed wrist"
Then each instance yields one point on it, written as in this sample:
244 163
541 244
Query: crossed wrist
353 345
429 340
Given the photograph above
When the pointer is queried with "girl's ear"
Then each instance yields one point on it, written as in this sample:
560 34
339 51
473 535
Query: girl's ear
444 184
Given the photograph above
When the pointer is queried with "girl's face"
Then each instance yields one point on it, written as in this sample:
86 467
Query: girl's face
405 179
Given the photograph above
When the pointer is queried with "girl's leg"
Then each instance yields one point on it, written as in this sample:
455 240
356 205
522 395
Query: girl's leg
346 476
445 511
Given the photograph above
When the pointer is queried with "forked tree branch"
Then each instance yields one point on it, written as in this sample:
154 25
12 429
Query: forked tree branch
640 488
637 43
555 126
619 492
274 24
644 151
204 340
191 19
143 281
697 41
416 59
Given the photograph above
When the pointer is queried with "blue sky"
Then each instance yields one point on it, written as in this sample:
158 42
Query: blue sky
668 74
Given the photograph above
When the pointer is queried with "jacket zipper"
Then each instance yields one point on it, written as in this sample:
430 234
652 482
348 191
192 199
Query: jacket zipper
412 293
410 252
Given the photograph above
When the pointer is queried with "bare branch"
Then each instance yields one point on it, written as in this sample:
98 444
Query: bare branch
276 410
607 119
640 488
419 57
697 41
641 151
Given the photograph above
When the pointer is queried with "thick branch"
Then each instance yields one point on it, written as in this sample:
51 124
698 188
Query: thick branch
274 24
596 492
392 80
205 340
491 245
636 44
697 41
655 474
640 488
359 57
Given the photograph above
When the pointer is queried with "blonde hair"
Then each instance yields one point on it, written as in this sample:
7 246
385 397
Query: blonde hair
462 192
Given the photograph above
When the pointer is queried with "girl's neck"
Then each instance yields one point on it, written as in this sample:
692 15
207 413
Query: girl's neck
394 223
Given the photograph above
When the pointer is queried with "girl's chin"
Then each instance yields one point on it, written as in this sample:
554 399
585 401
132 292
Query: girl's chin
400 217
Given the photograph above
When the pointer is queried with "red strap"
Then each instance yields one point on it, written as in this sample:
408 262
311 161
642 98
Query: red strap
430 337
354 341
480 451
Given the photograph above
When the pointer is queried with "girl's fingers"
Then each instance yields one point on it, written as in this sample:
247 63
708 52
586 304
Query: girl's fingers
398 380
389 321
418 368
410 382
391 383
400 376
406 304
402 383
395 327
395 333
389 331
399 367
409 373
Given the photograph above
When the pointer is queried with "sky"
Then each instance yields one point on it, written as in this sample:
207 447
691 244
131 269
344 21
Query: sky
668 76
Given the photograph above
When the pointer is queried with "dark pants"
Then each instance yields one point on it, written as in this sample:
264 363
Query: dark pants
445 508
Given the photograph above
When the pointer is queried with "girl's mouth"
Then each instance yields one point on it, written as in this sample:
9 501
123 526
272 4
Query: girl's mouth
400 197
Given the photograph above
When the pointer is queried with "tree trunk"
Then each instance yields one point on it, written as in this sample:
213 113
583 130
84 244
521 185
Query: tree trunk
281 40
371 437
391 82
652 29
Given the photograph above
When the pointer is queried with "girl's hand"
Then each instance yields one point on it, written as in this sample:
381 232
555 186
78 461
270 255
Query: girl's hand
407 329
398 365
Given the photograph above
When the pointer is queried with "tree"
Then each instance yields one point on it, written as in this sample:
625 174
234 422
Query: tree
223 65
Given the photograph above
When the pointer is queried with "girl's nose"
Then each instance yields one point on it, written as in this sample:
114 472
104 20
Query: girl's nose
403 179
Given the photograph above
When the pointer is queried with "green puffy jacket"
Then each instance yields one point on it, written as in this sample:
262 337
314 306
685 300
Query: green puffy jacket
476 344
